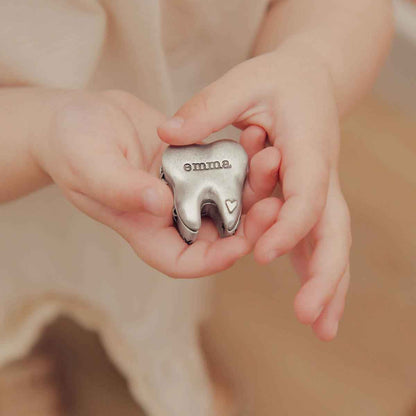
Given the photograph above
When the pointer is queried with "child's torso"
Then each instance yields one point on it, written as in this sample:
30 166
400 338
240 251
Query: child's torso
163 51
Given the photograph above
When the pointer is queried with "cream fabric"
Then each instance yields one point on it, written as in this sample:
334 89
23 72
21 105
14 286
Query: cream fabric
55 260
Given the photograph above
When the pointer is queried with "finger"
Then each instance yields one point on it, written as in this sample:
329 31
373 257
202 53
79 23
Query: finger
144 119
328 263
216 106
253 139
208 230
113 218
118 185
166 251
158 243
262 176
106 166
260 217
326 326
305 184
300 257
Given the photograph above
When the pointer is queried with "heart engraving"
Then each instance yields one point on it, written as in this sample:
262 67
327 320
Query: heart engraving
231 205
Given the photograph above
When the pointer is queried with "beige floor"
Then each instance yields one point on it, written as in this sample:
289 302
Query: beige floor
370 369
275 364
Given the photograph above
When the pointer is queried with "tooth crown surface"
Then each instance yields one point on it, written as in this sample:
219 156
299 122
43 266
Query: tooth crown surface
208 180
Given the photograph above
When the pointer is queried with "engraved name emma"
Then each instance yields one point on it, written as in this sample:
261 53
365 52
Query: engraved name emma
216 164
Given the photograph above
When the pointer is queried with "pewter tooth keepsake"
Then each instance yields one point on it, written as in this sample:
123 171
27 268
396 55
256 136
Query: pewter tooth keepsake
206 180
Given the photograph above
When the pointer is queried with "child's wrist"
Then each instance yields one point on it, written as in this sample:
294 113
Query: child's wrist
40 139
306 63
308 56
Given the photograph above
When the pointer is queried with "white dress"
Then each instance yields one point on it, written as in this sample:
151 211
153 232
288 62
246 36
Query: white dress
55 260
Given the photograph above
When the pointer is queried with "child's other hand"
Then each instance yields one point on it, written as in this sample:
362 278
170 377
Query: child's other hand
104 153
289 94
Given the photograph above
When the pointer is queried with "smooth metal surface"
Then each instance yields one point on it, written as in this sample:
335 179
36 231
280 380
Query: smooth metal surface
206 180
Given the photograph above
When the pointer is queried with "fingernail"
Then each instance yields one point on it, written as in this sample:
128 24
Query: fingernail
151 200
174 123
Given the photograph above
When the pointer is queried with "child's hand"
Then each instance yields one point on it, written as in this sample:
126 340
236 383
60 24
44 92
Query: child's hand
289 94
103 152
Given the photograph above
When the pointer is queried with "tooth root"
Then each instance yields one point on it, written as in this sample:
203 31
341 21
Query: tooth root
188 210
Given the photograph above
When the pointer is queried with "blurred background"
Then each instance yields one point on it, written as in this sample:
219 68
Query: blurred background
273 365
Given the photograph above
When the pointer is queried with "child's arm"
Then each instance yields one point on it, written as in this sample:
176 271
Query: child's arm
24 117
319 56
351 38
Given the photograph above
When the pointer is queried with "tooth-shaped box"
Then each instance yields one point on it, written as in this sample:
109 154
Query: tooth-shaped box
206 180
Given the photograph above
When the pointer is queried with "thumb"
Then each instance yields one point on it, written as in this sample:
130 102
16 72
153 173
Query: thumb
118 185
216 106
